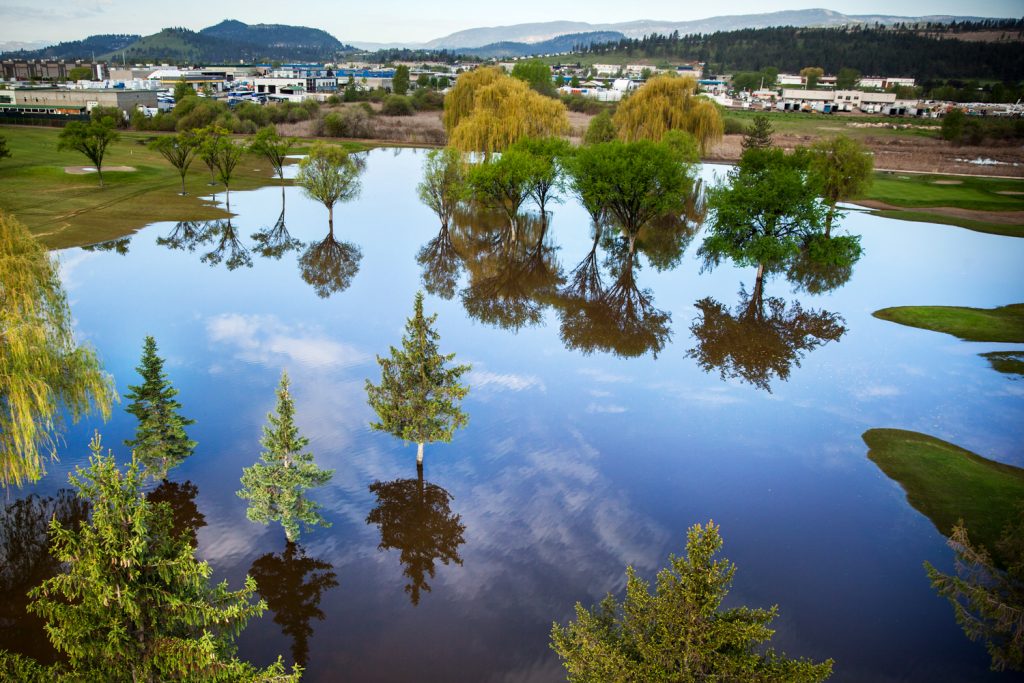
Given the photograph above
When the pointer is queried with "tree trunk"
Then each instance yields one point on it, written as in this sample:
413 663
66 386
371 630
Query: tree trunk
828 221
419 454
99 172
330 219
182 184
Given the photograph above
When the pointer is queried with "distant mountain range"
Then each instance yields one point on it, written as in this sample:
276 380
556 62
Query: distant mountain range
535 33
233 41
228 41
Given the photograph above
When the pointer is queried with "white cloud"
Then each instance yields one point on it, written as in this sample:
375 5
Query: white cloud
604 377
265 340
877 391
480 379
609 408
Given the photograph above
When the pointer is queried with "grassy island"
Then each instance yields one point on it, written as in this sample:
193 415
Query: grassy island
1003 324
947 483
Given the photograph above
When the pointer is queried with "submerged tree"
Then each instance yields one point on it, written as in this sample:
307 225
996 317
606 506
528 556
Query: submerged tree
841 169
45 376
415 518
419 393
276 486
681 632
180 151
329 175
443 187
91 139
988 599
292 583
543 162
160 442
272 147
133 603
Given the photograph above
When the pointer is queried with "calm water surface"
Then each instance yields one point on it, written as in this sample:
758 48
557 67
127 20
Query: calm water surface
577 460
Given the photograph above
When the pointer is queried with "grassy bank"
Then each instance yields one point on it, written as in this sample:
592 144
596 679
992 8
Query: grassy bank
1003 324
1007 362
928 198
947 483
66 210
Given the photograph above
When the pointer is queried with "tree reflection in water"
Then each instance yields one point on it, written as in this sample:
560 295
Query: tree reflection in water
762 340
441 264
181 498
275 241
25 562
330 265
118 246
825 264
513 274
228 248
185 235
293 583
414 517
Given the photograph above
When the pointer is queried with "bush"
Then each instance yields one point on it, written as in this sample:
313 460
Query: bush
350 122
601 129
397 105
425 99
953 125
586 105
113 113
733 126
333 99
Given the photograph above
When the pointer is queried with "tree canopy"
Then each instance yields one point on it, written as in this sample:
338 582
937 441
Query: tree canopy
419 393
91 139
443 187
667 103
503 110
841 169
679 633
45 376
180 151
536 74
329 175
272 147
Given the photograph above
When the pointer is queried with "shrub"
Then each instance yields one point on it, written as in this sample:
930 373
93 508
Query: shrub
425 99
351 122
734 126
397 105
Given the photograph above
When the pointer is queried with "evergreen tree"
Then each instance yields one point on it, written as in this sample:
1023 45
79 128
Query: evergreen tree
133 603
759 136
276 486
418 397
679 633
160 442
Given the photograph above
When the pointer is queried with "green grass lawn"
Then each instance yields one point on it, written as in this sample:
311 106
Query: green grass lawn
947 483
66 210
977 226
830 125
1003 324
915 191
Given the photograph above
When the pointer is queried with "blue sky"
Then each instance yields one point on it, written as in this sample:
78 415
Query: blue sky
411 20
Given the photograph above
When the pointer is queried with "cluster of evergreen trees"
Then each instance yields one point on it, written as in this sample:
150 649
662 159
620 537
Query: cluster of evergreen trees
903 51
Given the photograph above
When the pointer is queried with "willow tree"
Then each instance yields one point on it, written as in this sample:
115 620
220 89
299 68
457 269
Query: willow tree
45 376
276 486
504 111
419 392
460 100
667 103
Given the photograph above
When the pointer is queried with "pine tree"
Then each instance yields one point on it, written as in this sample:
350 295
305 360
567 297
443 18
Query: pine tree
160 441
759 135
418 397
276 486
132 602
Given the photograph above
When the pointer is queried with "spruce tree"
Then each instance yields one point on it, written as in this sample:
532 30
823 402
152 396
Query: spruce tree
759 135
132 602
160 441
419 394
276 486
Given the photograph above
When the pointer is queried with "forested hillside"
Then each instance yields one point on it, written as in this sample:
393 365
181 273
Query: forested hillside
925 53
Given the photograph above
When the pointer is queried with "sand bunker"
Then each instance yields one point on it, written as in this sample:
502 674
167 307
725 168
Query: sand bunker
82 170
947 182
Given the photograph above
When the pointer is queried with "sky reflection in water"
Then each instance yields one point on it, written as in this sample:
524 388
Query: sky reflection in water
581 456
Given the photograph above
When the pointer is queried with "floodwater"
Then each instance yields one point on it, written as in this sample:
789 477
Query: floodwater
598 433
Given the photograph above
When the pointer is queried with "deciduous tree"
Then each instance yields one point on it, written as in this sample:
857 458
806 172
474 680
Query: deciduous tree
419 393
329 175
400 81
272 147
811 74
543 162
679 633
160 442
180 150
91 139
841 169
535 74
444 186
276 486
45 376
